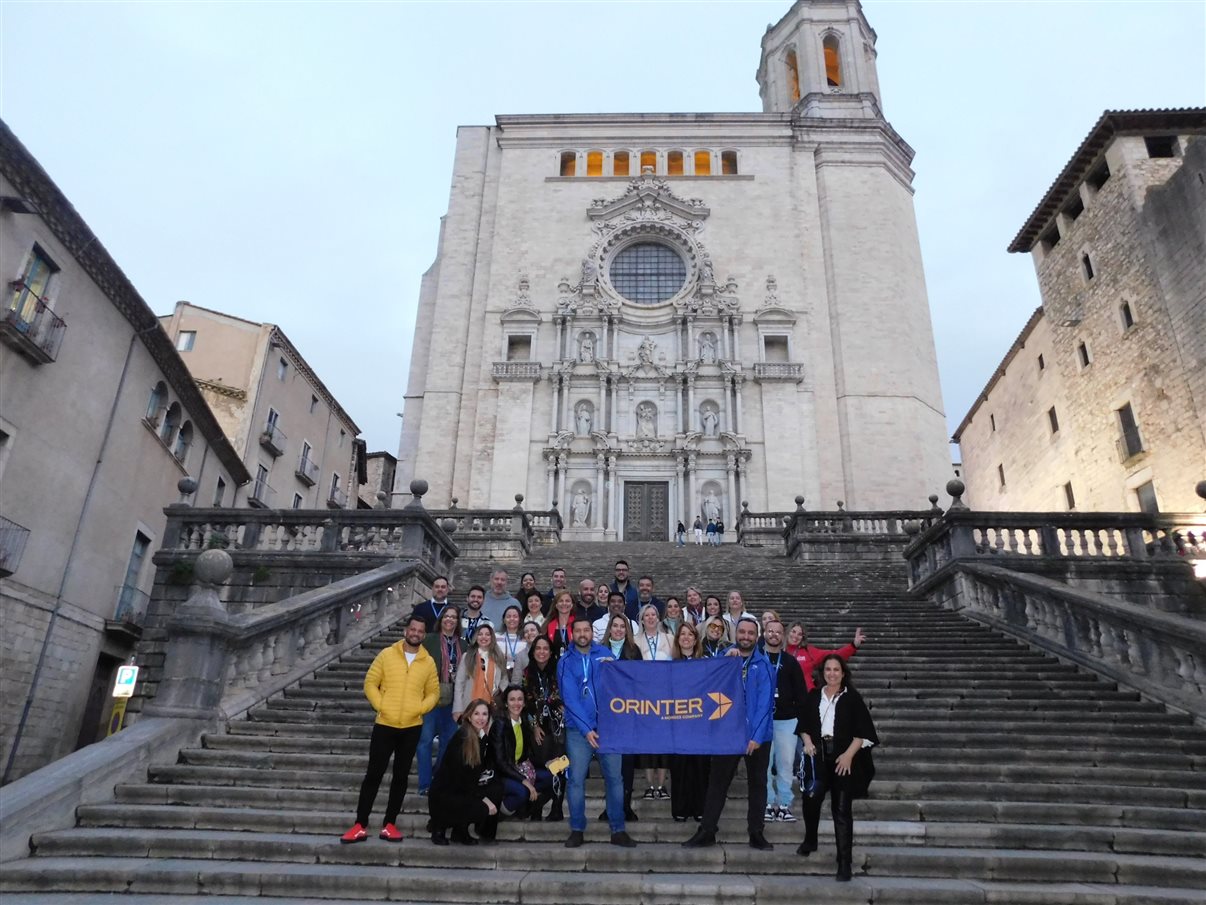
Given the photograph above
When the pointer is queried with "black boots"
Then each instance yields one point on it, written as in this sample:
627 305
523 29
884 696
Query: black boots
843 832
702 839
807 847
460 835
758 841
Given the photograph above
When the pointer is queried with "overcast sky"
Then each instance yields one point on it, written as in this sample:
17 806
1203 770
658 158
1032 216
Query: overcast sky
290 162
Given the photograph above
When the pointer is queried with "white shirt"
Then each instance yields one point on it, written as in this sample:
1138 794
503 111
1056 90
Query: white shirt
827 708
600 627
410 658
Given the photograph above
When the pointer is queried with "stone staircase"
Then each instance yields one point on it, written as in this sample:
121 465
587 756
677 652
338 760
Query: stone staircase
1004 776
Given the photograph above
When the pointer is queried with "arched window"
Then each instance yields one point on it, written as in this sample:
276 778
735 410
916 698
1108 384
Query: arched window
594 163
156 403
674 163
793 76
649 159
171 421
728 163
619 163
833 61
703 163
184 440
569 163
648 273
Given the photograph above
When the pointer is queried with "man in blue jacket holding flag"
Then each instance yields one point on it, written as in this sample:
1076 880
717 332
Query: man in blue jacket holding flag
759 680
578 677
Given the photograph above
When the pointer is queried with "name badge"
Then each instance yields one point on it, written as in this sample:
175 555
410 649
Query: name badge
511 665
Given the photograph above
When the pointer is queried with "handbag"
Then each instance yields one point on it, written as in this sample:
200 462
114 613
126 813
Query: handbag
447 690
810 779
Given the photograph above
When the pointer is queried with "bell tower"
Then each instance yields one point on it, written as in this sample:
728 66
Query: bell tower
819 61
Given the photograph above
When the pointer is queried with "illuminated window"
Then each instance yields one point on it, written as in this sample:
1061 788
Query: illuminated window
649 159
793 76
569 163
833 63
648 273
703 163
674 163
619 163
728 163
594 163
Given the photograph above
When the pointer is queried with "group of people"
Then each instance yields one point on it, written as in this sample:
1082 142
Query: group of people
713 531
507 684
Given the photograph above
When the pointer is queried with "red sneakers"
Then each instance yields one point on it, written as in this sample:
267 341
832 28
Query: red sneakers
356 834
391 833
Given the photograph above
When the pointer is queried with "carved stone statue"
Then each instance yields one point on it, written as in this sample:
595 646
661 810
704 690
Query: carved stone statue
711 506
586 347
646 420
584 419
580 510
645 350
707 347
710 420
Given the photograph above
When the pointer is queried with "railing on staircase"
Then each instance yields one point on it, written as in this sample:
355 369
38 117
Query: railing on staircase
833 535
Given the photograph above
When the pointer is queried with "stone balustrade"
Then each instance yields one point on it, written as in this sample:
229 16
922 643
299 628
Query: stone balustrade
845 535
1162 655
762 529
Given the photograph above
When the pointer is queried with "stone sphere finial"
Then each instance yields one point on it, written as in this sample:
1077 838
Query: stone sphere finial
841 504
213 567
454 502
553 505
1200 487
518 502
799 504
933 498
912 527
186 486
745 504
418 487
955 488
449 525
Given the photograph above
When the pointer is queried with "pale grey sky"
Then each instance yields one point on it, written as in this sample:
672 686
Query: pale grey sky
289 162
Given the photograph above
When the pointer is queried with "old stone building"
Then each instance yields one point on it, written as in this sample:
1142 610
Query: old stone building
639 318
1100 404
99 421
293 435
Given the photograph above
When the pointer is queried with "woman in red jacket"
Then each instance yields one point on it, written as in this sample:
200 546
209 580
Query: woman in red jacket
561 621
809 656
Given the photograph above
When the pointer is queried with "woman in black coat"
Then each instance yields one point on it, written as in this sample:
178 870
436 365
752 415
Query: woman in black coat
546 711
466 788
837 731
527 783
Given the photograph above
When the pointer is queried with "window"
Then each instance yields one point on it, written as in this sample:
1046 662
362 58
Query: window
185 341
157 402
313 404
649 159
1131 443
674 163
793 76
1069 496
703 163
1001 475
519 348
648 273
992 422
1042 362
569 163
261 493
728 163
1126 315
297 501
774 348
273 417
130 600
171 421
833 61
1086 265
30 289
1074 208
1053 420
1082 353
184 440
594 163
620 163
1161 145
1145 495
282 369
1098 177
1050 238
219 492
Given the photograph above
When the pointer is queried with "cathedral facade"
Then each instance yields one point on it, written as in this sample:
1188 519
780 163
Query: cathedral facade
646 318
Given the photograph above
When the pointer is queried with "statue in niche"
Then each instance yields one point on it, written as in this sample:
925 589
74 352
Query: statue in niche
710 420
586 347
580 510
645 350
711 506
584 419
707 347
646 415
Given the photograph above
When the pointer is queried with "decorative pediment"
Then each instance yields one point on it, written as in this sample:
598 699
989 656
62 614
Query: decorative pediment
649 199
521 309
771 311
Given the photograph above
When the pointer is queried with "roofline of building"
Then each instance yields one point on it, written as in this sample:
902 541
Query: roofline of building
1110 125
36 187
379 453
502 120
1018 345
276 334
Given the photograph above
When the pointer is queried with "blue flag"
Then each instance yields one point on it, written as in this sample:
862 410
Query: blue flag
672 707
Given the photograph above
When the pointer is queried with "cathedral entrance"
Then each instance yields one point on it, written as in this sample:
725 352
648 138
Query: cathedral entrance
646 508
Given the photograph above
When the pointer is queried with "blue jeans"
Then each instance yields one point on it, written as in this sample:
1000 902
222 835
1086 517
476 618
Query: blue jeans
515 793
437 722
580 752
783 752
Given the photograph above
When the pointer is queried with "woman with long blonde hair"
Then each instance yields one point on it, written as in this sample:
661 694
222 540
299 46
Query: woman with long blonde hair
466 788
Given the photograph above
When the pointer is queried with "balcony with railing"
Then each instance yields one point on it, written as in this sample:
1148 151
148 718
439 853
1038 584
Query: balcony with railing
131 605
337 498
307 471
778 370
261 495
30 327
272 438
12 545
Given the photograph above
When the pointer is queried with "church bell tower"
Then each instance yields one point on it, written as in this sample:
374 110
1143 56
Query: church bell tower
819 61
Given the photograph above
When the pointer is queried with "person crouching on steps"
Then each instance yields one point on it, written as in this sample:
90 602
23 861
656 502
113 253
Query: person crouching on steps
527 785
466 788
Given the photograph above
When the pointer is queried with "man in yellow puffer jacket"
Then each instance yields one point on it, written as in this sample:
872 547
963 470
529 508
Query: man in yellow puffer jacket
403 687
